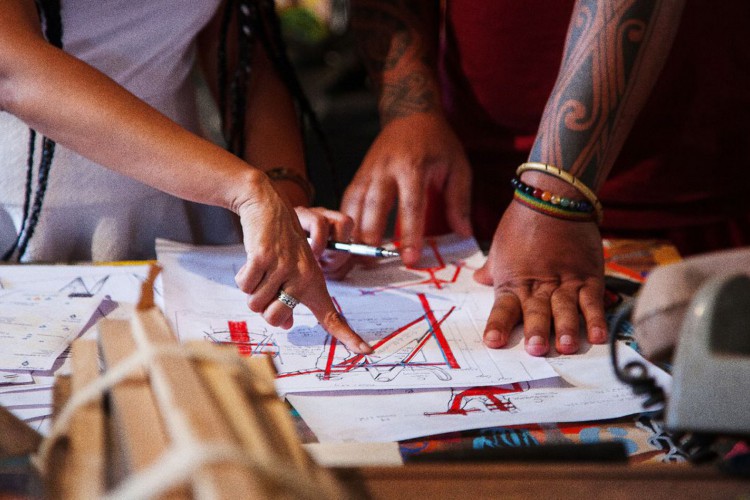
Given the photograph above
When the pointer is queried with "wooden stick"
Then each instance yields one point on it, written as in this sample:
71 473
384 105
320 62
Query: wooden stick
146 300
179 390
265 398
16 438
253 432
263 372
138 430
85 476
57 460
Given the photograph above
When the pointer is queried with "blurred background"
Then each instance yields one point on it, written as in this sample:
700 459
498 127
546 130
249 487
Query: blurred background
322 50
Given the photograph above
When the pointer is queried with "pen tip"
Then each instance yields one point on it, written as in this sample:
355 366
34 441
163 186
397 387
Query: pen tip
391 253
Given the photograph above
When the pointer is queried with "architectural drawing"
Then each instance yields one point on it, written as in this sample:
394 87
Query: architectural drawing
420 322
482 399
585 389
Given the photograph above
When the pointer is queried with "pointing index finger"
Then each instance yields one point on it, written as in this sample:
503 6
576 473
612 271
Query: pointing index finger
335 324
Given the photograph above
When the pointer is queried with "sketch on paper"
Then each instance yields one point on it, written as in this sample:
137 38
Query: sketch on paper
43 307
482 399
420 322
584 389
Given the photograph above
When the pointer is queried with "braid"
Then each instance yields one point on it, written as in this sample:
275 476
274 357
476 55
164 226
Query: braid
48 151
247 18
27 196
53 29
222 57
258 19
50 10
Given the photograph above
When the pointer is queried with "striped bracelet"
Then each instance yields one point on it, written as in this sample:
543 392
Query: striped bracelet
570 179
550 204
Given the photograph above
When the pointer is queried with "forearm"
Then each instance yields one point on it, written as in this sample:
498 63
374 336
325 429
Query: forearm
397 40
84 110
273 137
613 55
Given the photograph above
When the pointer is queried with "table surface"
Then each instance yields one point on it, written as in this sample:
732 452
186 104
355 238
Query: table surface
648 445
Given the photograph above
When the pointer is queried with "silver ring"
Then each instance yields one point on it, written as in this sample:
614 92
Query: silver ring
287 299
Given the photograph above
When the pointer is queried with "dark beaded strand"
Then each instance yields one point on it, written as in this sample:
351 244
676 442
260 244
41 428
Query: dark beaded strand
552 199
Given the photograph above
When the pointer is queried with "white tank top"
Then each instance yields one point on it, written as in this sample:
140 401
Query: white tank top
89 212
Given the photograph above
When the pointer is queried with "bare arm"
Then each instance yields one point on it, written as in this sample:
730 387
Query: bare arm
613 56
81 108
398 40
546 270
416 150
76 105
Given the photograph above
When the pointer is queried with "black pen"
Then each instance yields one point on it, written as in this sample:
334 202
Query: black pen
359 249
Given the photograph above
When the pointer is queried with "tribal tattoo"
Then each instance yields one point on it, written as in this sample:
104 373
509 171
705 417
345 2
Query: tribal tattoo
397 40
613 55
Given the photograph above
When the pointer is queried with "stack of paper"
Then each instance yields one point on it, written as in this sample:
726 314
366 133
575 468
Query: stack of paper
43 308
430 372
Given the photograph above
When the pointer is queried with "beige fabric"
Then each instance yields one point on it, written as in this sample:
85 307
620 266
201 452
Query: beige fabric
91 213
662 302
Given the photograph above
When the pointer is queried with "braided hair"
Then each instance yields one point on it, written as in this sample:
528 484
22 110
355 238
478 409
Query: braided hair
256 20
49 10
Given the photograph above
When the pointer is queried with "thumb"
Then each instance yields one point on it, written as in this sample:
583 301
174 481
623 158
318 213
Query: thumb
482 275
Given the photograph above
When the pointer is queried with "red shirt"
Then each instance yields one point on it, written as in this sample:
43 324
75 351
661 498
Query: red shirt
687 159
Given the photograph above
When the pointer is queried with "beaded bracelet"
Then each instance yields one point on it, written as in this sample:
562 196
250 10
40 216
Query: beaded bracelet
546 196
570 179
285 174
551 204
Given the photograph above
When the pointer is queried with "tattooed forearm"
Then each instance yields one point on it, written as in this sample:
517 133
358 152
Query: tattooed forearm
410 94
397 40
613 55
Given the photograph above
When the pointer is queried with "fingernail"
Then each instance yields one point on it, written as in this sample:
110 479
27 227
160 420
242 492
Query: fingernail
409 255
365 348
598 335
493 337
567 340
536 346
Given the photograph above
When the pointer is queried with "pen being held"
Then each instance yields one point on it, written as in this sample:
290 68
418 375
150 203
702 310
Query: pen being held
360 249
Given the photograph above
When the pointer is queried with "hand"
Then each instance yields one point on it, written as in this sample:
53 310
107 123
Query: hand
544 270
410 155
279 257
323 225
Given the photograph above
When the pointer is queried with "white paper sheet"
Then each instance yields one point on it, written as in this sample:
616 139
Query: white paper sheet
425 324
586 390
32 395
120 283
16 377
112 289
35 328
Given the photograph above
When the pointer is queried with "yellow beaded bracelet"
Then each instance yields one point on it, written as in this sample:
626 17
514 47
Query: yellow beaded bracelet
570 179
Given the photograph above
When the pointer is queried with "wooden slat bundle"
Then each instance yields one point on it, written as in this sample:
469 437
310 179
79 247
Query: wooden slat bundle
194 421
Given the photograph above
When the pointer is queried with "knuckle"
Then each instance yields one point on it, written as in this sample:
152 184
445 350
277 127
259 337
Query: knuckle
258 259
333 319
412 204
273 319
373 200
255 304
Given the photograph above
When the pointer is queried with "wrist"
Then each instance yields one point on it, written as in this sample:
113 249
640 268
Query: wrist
567 178
552 204
247 189
295 187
